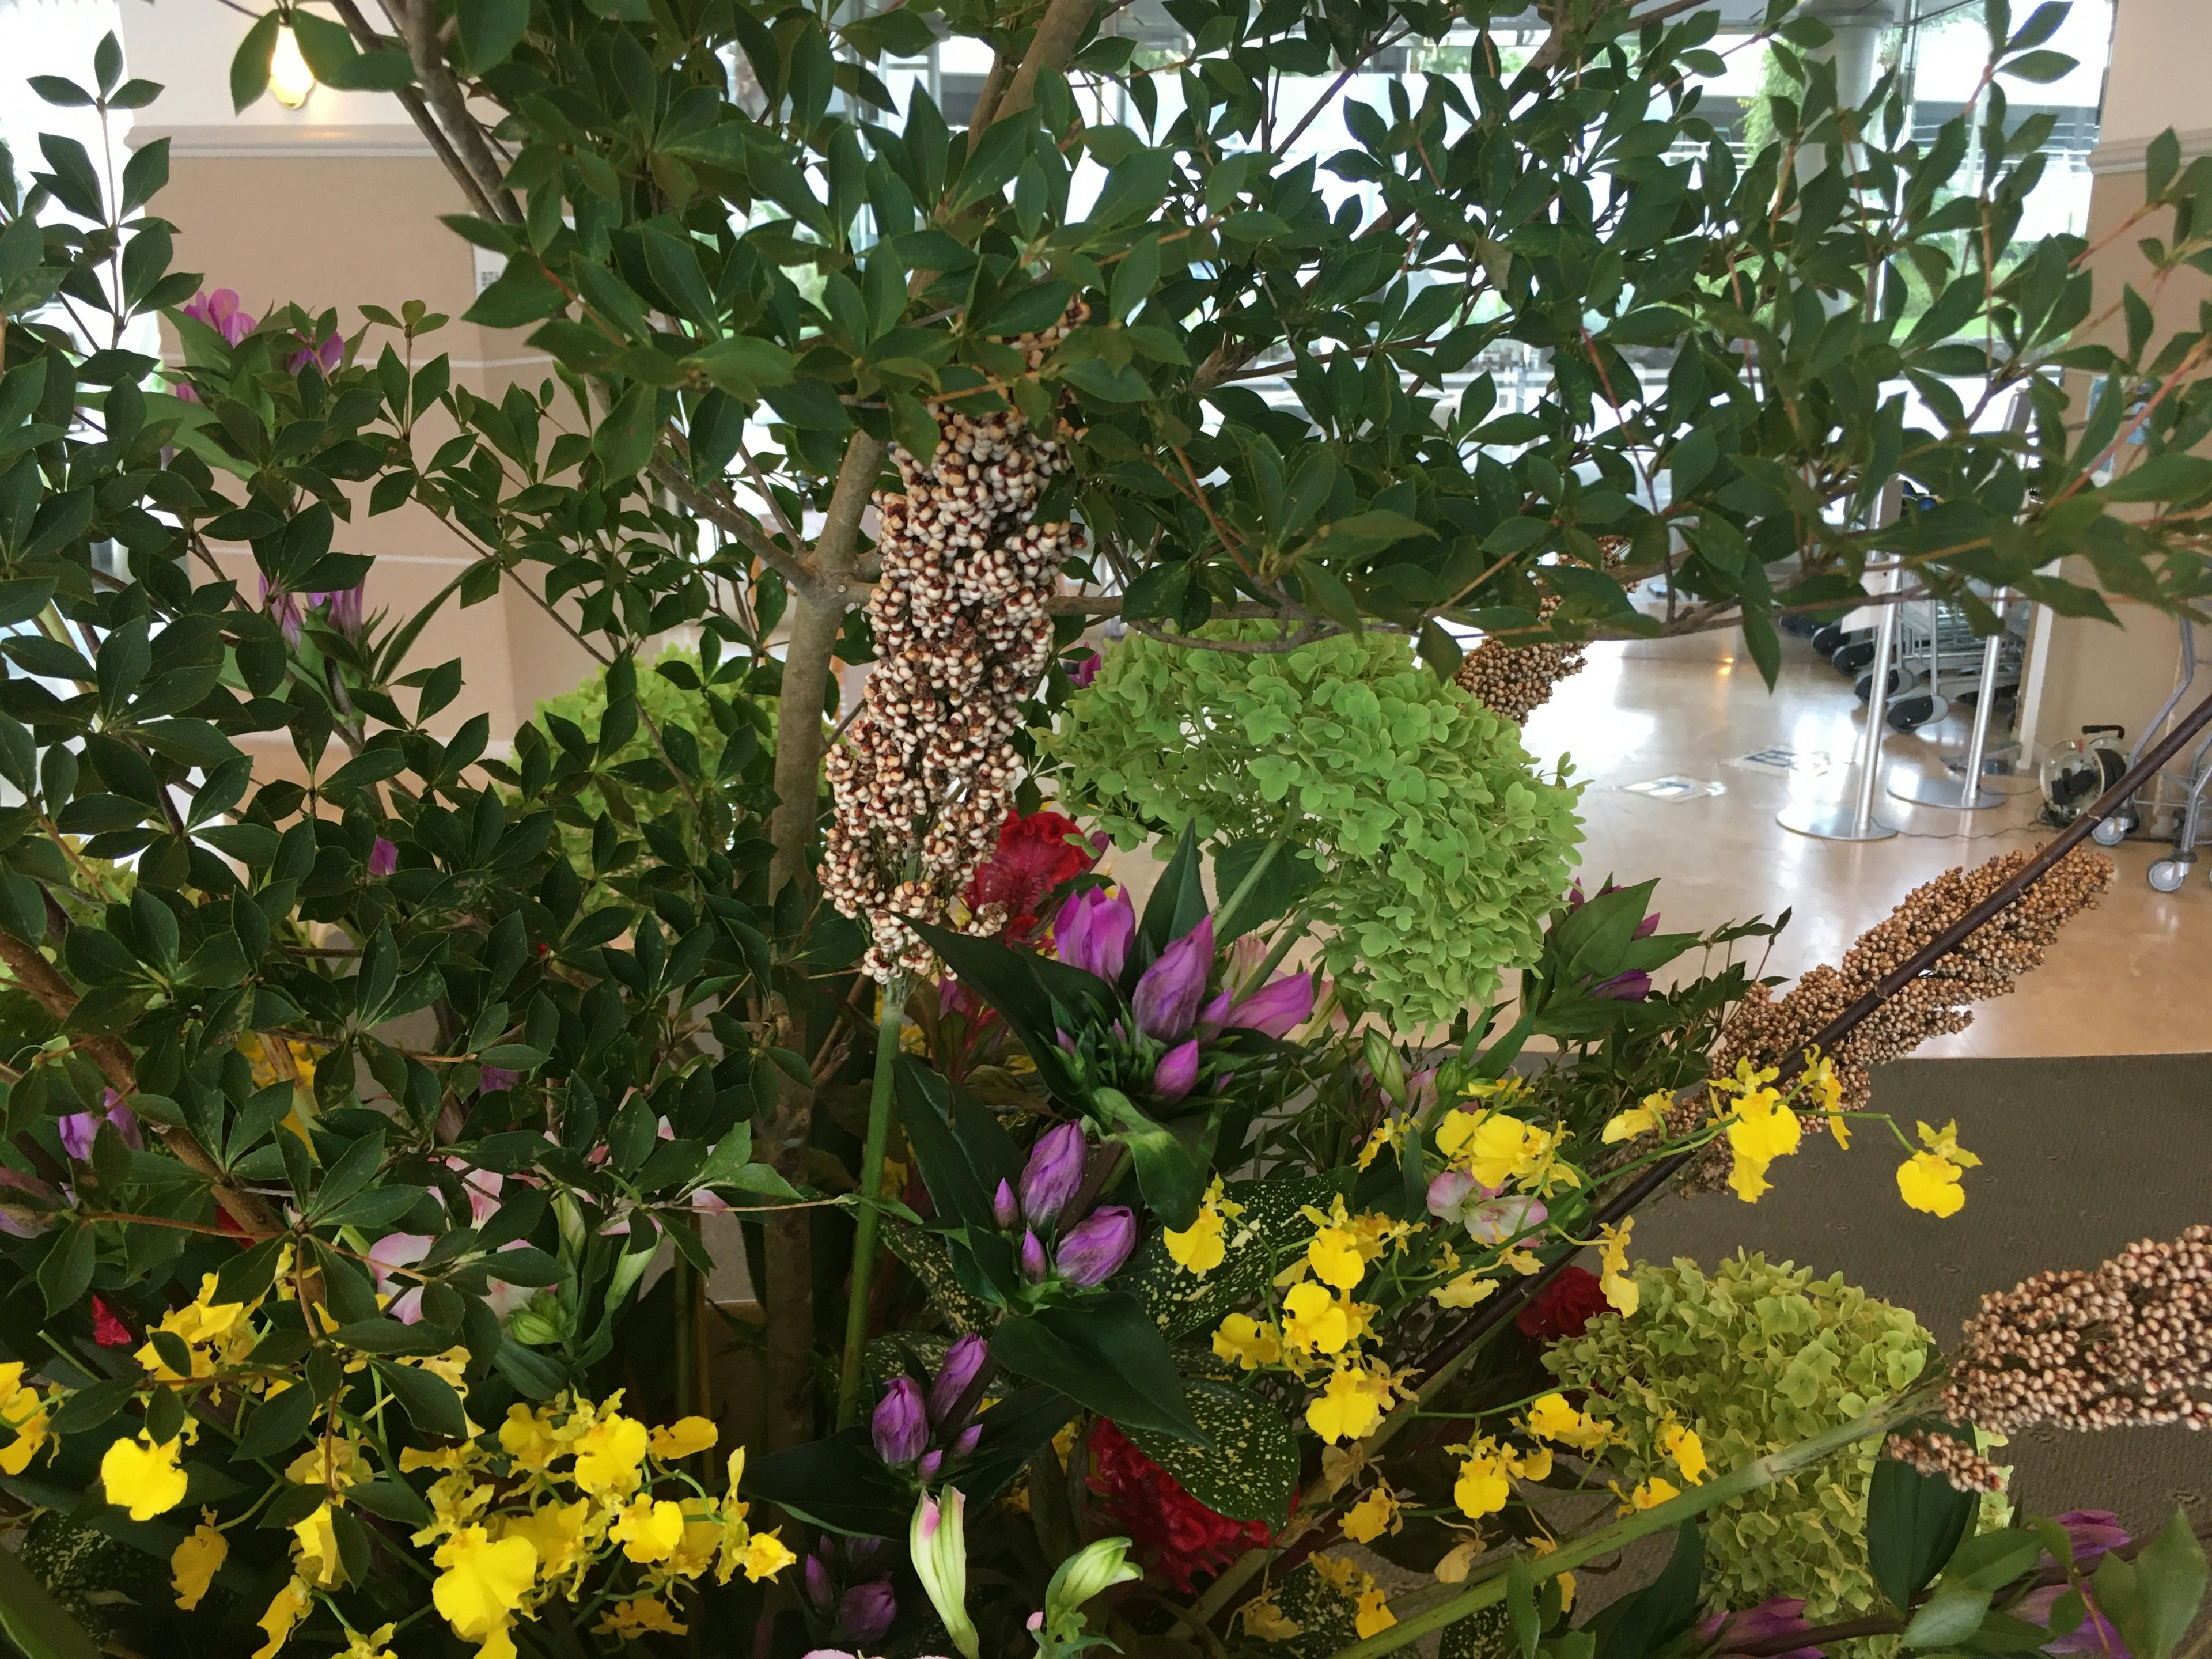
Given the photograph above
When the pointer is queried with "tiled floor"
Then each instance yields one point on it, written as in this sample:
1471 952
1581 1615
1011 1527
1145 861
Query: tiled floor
2134 976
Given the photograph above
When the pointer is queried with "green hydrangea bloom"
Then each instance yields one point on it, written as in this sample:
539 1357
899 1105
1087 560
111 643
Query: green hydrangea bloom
1755 1358
1440 849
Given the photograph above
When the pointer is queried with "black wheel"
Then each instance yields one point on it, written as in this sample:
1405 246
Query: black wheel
1865 687
1913 711
1828 640
1850 659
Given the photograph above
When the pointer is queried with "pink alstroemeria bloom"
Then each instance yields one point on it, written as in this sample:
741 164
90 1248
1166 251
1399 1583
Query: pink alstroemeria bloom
221 312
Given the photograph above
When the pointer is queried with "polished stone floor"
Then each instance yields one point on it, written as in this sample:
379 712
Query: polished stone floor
2133 976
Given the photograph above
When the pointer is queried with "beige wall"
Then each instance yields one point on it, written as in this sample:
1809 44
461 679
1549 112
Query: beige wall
2084 672
335 206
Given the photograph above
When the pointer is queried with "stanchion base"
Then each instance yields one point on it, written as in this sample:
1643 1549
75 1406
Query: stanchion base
1832 821
1943 791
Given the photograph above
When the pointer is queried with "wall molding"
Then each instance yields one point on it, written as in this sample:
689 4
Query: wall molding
2126 154
265 139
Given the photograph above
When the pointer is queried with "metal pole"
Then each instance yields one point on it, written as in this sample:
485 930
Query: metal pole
1827 820
1968 794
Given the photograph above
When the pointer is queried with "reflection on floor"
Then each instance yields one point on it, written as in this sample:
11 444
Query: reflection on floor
2131 977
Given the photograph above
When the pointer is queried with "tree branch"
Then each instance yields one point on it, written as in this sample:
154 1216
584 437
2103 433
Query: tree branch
37 976
728 516
425 51
419 112
1052 45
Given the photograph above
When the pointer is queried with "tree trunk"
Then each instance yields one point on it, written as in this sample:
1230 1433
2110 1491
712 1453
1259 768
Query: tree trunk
787 1140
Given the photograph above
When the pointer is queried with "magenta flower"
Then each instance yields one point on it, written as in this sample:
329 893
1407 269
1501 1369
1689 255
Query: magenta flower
1094 930
900 1427
1096 1249
220 312
497 1078
1167 997
1083 669
962 1360
1053 1172
1176 1074
1633 986
383 857
326 354
1003 1209
79 1129
1035 1268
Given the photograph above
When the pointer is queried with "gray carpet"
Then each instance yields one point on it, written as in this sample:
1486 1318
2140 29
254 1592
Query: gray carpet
2080 1158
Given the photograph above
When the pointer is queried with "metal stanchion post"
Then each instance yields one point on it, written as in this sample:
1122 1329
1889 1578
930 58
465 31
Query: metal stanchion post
1833 820
1967 793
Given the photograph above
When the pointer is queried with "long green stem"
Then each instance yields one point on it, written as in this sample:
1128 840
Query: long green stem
1752 1477
873 1151
1245 888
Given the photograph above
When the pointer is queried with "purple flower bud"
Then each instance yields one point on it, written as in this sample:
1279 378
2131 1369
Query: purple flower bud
1034 1268
1278 1009
1631 987
1053 1172
2092 1533
1093 932
497 1078
79 1129
1166 999
1096 1247
866 1613
1176 1074
930 1464
962 1360
819 1589
2094 1635
1779 1615
383 857
900 1426
1004 1210
969 1439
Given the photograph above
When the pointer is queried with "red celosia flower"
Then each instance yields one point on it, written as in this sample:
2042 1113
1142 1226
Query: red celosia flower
106 1329
1563 1308
1171 1529
1033 856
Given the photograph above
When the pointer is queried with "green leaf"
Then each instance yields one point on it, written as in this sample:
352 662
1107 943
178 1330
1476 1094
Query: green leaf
1289 876
249 64
490 30
1250 1472
66 1273
623 442
2173 476
1521 1581
1646 1622
1914 1523
2152 1600
429 1399
2039 67
1133 189
838 1482
277 1424
1181 1301
33 1621
1101 1352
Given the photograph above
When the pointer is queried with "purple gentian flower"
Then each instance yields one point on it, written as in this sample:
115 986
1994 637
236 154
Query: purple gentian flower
867 1611
962 1360
2095 1634
1633 986
1176 1074
1083 669
815 1578
1034 1265
1093 932
930 1464
1052 1173
1780 1615
900 1426
2092 1533
497 1080
1167 997
964 1443
383 857
1005 1210
1096 1249
1278 1009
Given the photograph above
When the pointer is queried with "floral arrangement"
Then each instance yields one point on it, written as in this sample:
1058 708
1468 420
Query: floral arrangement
1191 1276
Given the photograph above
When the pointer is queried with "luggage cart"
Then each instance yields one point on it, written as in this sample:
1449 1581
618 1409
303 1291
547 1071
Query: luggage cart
1938 649
2181 798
